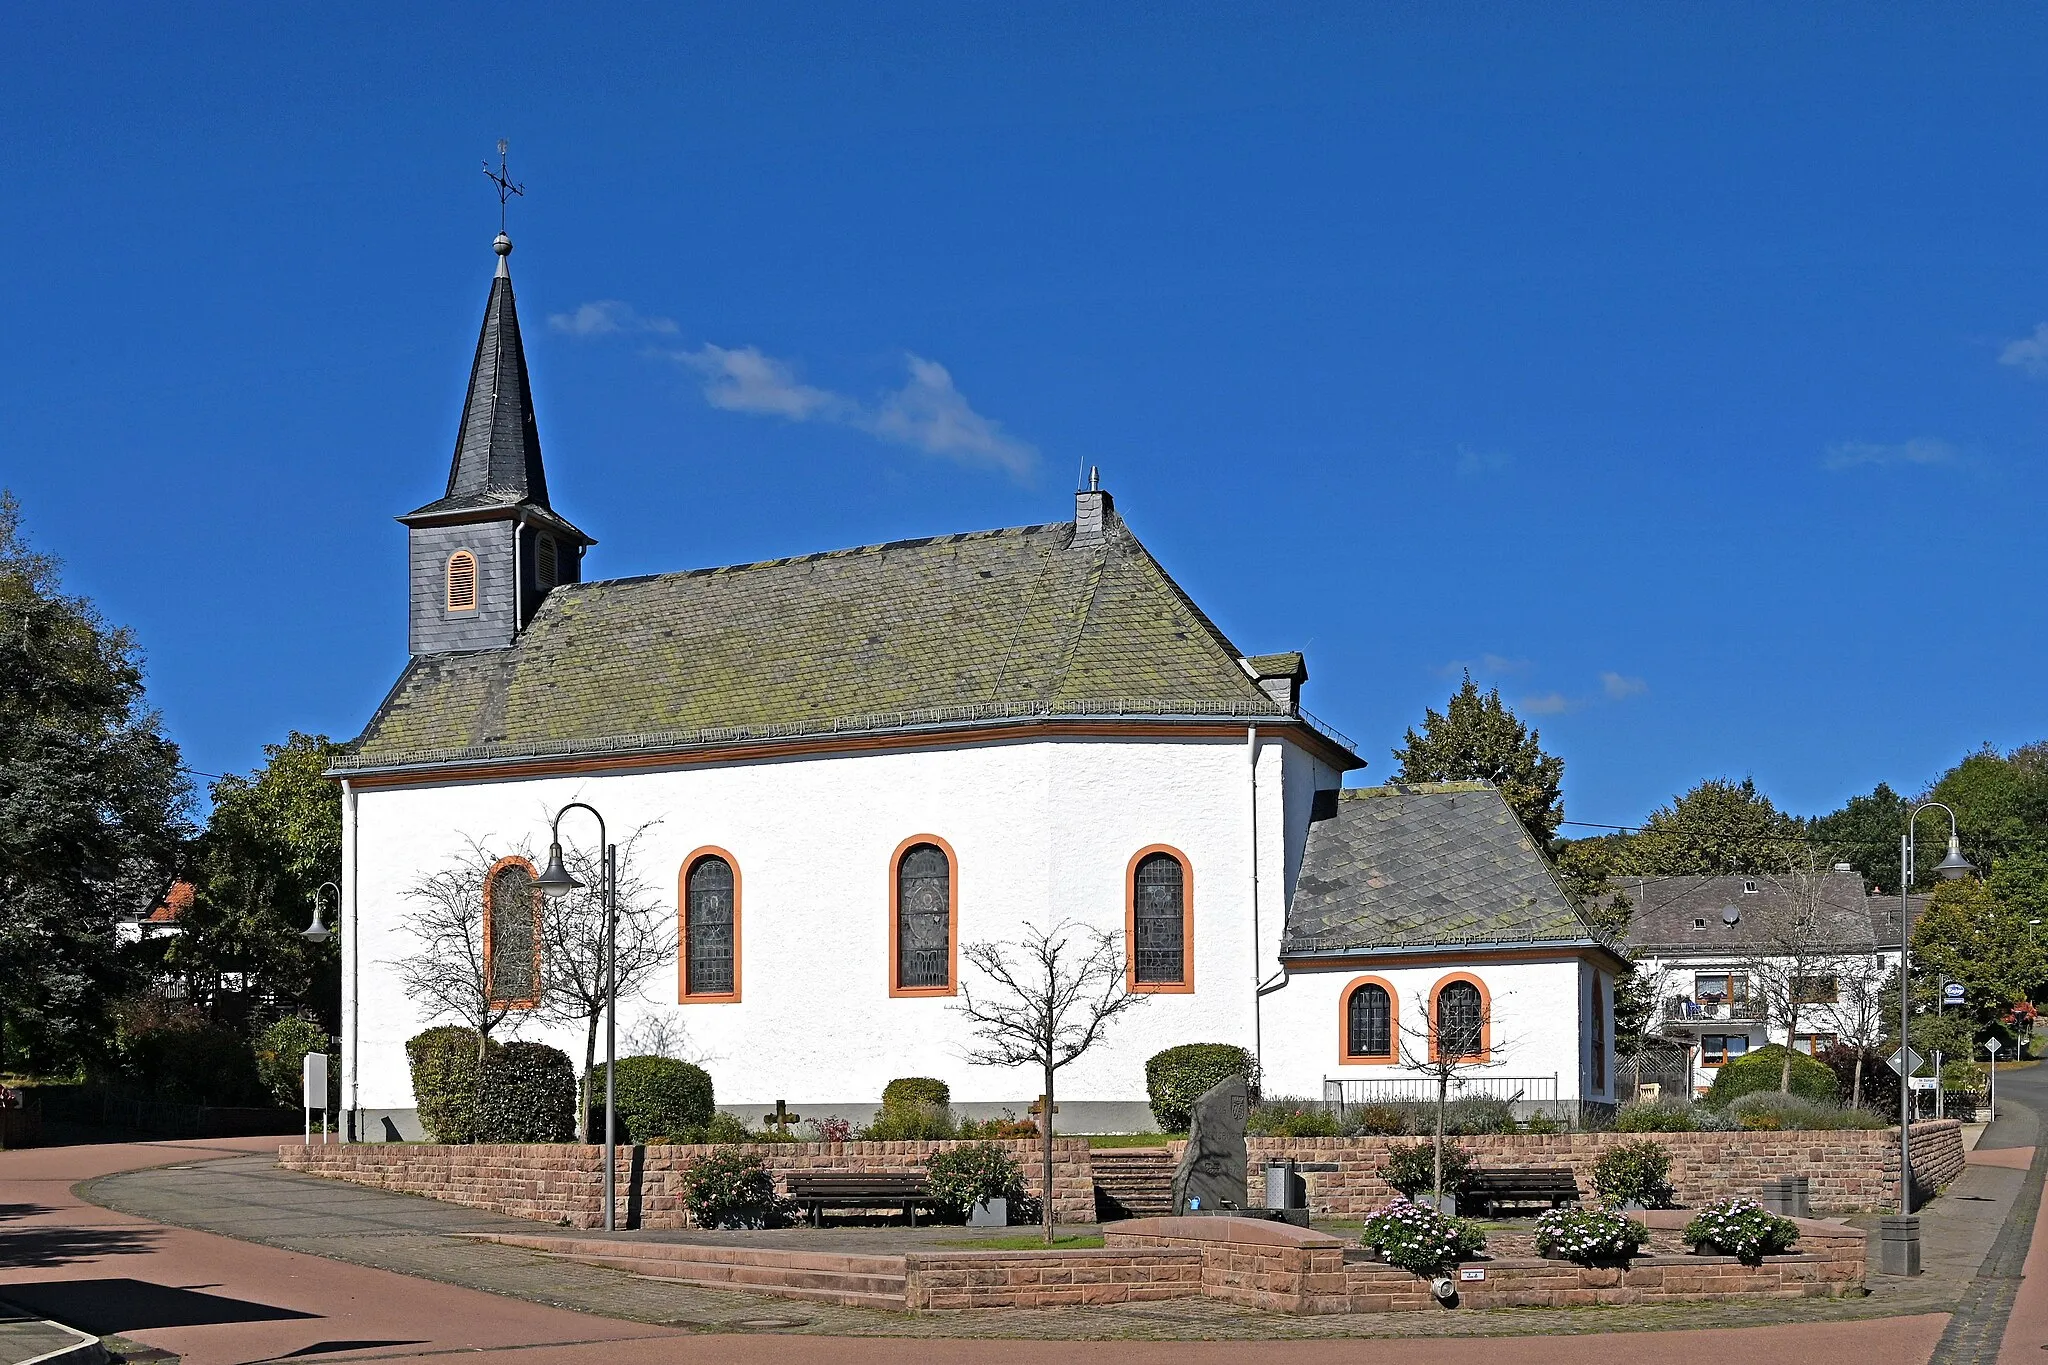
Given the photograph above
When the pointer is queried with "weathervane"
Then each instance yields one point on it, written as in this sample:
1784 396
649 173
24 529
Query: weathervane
506 189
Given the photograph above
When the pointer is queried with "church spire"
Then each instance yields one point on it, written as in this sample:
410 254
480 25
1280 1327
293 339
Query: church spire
497 447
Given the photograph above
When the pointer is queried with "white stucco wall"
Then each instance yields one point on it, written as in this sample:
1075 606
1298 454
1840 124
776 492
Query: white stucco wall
1671 976
1042 829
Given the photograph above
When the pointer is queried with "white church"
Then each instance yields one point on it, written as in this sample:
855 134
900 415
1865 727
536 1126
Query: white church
853 763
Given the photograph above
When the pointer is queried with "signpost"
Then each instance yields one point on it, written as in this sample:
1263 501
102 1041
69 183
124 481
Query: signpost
314 1071
1952 993
1991 1046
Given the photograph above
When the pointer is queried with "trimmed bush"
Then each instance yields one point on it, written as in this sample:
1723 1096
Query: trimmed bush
1177 1077
1758 1070
657 1097
1540 1122
1656 1116
1418 1238
281 1058
527 1094
923 1090
964 1176
729 1188
910 1122
1411 1167
1589 1236
1292 1118
1638 1172
444 1082
1740 1228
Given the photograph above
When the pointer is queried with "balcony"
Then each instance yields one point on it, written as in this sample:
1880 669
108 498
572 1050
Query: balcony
1711 1011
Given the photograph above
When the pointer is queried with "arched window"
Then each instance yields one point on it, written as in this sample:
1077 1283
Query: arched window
1369 1023
925 904
1599 1035
1158 920
462 581
512 934
546 572
1460 1024
711 926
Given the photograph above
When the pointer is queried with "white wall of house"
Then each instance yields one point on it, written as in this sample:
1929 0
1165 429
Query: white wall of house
1675 977
1042 829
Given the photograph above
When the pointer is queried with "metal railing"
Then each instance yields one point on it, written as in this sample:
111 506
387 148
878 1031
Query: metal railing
1422 1089
1682 1011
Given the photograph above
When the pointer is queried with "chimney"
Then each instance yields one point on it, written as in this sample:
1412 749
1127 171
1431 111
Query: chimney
1092 510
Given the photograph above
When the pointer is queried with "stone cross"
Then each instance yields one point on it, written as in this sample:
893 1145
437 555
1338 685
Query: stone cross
781 1119
1037 1109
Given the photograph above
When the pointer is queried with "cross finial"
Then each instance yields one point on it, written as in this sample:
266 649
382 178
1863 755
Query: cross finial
506 189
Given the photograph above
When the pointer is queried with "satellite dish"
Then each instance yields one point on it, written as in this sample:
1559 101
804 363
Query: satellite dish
1731 917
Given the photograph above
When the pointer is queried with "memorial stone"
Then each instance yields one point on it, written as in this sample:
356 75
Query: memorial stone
1211 1174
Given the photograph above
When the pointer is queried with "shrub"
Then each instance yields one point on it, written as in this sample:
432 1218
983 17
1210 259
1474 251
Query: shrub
1770 1111
1964 1076
1759 1070
281 1057
922 1090
1418 1238
722 1128
1740 1228
1378 1120
1009 1126
1656 1116
444 1082
728 1188
527 1094
1638 1172
1177 1077
830 1130
1478 1114
1292 1118
1589 1236
964 1176
1411 1167
910 1122
1540 1122
656 1096
1880 1083
176 1052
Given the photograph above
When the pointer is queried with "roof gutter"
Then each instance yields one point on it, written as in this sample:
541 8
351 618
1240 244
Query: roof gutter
1522 945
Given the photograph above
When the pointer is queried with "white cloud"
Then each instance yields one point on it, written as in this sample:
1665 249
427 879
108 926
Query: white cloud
1545 704
2029 354
1924 450
932 415
1620 687
605 317
744 380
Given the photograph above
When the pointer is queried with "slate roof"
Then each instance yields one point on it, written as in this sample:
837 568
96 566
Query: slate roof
1665 909
1427 865
984 627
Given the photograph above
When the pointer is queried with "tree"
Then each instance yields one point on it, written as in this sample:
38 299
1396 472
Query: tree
1050 998
1796 955
572 935
1857 1017
1968 933
1475 736
449 975
1717 829
1445 1048
272 839
95 807
1864 833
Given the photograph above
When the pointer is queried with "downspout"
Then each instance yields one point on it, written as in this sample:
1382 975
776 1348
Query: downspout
1251 749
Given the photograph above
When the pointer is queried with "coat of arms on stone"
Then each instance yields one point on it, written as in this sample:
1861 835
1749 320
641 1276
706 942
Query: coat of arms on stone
1211 1171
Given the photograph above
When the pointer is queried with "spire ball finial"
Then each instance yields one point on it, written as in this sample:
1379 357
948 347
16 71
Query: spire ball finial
503 245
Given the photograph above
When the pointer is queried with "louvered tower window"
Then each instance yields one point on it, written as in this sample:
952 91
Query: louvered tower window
1369 1022
708 926
462 581
1460 1020
924 919
512 935
546 571
1159 920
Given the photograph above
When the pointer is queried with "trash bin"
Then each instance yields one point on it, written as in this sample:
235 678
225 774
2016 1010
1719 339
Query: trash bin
1285 1189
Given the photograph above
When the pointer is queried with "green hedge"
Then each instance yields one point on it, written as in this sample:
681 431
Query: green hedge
657 1097
444 1082
1177 1077
281 1058
1759 1070
932 1094
528 1094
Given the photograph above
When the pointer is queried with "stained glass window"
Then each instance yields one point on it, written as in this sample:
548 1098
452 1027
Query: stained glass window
924 919
1460 1020
1158 920
512 907
708 926
1370 1017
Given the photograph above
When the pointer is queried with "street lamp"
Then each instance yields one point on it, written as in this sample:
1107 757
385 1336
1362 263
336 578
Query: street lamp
554 883
1902 1235
318 932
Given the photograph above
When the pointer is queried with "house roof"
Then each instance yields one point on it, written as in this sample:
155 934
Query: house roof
1425 866
1673 916
1011 625
172 908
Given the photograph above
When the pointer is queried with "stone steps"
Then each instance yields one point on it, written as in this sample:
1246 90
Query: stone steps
820 1277
1133 1182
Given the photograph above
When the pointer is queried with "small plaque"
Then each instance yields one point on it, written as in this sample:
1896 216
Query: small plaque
1472 1272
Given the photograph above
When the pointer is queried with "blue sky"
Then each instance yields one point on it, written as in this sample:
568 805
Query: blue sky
1676 368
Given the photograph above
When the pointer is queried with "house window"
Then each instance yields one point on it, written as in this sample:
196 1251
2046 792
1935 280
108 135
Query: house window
1719 1048
1157 920
1812 1044
462 581
925 906
1369 1023
1699 924
512 934
1748 888
1815 990
1460 1021
1720 988
1599 1035
546 572
711 923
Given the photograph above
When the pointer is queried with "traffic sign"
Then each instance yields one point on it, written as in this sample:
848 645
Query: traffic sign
1905 1061
1991 1046
1953 992
1920 1082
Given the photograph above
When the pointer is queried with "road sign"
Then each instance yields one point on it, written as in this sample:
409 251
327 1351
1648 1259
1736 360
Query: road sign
1920 1082
1905 1061
1991 1046
1953 992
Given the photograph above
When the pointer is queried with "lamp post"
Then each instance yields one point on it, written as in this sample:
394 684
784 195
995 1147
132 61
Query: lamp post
318 932
1902 1233
554 883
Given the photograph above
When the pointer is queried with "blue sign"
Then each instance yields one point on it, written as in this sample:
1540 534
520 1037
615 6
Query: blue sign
1953 992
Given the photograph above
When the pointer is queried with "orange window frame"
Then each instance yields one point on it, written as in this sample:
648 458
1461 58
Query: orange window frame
490 916
1485 1052
952 986
683 995
1345 1056
1186 984
1599 1032
475 588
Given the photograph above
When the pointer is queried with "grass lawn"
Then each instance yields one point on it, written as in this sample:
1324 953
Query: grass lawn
1033 1241
1124 1139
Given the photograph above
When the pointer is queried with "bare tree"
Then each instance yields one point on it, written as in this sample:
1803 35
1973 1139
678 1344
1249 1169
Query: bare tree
449 975
1858 1016
1049 998
572 935
1796 955
1446 1048
662 1035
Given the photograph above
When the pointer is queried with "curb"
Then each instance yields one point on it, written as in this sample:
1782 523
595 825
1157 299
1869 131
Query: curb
86 1350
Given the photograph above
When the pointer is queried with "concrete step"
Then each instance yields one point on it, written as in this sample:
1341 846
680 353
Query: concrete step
1133 1182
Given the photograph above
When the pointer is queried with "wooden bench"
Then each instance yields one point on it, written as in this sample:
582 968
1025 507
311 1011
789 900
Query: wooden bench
1487 1191
817 1191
